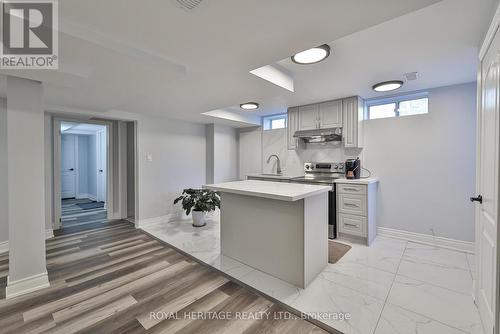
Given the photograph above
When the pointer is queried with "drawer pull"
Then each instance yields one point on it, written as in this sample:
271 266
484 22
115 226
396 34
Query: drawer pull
351 204
351 225
351 189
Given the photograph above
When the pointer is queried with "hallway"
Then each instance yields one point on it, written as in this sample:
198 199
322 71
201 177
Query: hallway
82 211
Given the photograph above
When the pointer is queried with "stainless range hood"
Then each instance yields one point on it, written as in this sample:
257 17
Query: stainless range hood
319 135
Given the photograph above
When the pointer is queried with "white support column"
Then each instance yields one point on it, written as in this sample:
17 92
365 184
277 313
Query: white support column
26 202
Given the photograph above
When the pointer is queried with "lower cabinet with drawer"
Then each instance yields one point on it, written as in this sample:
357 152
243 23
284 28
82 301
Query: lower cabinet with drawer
356 210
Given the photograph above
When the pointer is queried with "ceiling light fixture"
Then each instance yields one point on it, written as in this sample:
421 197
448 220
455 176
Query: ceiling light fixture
387 86
312 56
249 106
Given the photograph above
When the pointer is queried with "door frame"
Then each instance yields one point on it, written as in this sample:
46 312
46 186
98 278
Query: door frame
492 31
98 160
56 163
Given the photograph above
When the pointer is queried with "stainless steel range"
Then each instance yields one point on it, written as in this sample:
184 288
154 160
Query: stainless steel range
324 173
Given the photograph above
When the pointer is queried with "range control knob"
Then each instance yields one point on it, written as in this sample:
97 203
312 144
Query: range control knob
307 166
336 166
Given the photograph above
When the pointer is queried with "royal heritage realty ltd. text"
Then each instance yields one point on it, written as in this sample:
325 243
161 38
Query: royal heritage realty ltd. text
262 315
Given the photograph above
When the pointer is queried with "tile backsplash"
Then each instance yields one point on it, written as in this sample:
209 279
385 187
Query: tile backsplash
292 161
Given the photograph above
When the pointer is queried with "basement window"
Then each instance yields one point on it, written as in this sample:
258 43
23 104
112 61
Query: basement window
274 122
407 105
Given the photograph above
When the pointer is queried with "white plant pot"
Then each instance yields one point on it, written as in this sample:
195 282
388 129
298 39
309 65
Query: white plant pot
199 218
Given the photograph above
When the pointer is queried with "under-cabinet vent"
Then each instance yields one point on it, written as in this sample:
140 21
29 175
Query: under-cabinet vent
189 4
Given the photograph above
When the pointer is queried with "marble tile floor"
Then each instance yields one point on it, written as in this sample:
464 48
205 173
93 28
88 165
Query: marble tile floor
392 287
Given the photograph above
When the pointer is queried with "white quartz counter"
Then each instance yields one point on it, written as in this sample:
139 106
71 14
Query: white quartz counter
266 189
358 181
284 177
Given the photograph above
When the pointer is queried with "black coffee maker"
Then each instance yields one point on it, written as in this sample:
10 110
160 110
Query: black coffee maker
353 168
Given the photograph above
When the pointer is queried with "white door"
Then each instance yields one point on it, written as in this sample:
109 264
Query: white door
330 114
308 117
487 186
101 165
68 166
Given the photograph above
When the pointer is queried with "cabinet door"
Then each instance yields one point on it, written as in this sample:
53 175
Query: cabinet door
308 117
350 122
293 125
330 114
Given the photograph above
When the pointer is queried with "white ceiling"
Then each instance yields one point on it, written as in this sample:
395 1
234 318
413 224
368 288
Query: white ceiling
153 57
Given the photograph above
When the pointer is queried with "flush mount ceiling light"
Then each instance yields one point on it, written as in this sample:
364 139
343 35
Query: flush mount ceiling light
312 56
249 106
387 86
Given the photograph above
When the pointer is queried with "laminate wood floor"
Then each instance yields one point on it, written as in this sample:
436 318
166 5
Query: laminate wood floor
109 277
72 214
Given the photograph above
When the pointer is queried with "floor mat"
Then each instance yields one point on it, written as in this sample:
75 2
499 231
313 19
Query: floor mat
336 250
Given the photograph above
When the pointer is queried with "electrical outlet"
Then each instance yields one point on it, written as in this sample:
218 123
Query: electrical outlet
149 157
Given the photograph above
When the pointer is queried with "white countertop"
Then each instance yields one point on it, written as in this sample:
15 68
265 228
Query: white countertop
267 189
274 176
358 181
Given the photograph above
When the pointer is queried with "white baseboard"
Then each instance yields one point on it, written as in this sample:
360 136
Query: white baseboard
49 233
4 246
155 220
26 285
458 245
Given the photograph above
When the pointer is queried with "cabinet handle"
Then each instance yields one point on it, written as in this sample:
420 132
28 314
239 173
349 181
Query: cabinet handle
352 189
351 204
351 225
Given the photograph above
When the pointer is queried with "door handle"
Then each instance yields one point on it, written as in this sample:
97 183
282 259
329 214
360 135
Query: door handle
477 199
100 170
71 169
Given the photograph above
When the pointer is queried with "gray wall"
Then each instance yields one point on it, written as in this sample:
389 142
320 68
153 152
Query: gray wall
225 154
426 165
178 152
130 169
222 153
4 223
210 152
249 153
83 168
92 166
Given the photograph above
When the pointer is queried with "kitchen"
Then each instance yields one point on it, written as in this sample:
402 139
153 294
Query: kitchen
364 211
401 218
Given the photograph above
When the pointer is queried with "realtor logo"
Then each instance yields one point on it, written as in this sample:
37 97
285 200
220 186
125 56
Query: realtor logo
29 34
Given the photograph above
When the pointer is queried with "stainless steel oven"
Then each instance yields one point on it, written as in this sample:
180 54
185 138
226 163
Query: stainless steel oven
324 173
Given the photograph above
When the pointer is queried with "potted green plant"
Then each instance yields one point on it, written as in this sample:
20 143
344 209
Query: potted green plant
200 202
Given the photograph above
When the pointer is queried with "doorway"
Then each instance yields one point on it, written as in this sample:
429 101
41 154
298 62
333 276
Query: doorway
83 173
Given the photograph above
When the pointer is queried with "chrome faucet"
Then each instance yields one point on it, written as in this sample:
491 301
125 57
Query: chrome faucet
278 168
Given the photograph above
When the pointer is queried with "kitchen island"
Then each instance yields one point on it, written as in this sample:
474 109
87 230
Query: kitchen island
278 228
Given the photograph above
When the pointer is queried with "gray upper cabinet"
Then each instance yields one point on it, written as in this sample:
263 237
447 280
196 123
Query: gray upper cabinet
330 114
293 125
308 117
346 113
352 117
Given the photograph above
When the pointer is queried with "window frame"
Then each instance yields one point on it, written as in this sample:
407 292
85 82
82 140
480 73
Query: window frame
397 99
270 118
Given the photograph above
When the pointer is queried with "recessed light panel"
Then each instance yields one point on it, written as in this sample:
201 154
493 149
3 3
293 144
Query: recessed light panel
312 56
387 86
